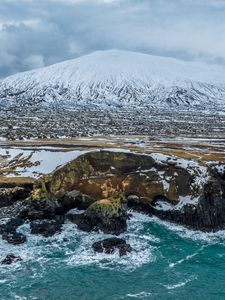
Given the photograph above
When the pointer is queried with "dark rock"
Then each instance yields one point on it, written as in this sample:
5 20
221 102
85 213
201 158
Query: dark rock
73 199
110 245
105 215
18 209
41 210
49 207
206 215
14 238
9 259
45 227
10 225
9 195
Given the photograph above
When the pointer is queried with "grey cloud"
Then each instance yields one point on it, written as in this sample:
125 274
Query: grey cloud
37 33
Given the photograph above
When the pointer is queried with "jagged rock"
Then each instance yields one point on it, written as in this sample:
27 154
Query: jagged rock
10 224
208 214
42 209
74 199
107 215
14 238
9 259
9 195
110 245
46 228
8 228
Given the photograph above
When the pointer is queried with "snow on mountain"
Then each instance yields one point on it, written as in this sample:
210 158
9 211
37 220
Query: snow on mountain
117 78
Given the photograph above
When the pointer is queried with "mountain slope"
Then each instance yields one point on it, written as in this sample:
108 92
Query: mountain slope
117 78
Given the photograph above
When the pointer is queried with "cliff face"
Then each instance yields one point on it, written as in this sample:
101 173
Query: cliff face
106 174
173 189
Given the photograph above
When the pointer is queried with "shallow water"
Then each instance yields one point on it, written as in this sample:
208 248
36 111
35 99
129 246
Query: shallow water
167 262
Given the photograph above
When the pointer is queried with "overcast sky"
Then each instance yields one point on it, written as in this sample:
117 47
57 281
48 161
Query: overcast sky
35 33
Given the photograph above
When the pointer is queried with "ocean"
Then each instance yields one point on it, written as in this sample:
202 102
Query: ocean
167 262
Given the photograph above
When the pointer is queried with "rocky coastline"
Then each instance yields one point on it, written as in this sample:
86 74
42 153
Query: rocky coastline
104 185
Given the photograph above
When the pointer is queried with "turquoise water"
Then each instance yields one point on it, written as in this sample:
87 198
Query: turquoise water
168 262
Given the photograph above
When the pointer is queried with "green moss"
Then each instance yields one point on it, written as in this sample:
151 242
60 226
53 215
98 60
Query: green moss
121 197
40 191
108 207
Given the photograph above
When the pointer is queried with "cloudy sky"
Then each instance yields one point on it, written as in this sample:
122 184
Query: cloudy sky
35 33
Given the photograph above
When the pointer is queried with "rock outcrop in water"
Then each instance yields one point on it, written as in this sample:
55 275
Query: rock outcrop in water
9 259
45 227
107 215
110 245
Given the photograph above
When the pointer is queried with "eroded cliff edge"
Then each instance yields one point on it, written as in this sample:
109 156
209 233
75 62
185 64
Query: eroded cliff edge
174 189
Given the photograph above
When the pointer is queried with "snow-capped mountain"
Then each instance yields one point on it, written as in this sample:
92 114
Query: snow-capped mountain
117 79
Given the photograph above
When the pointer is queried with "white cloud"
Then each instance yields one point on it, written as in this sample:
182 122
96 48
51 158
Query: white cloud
34 61
33 32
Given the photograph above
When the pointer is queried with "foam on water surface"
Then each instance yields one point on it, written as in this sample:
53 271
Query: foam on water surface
165 259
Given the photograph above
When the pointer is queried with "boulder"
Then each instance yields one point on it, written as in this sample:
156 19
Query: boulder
10 224
14 238
107 215
9 259
110 245
46 228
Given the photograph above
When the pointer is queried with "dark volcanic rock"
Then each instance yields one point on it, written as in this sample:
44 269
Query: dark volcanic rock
9 195
14 238
48 208
8 231
110 245
42 209
10 225
45 227
208 214
8 228
105 215
18 209
9 259
73 199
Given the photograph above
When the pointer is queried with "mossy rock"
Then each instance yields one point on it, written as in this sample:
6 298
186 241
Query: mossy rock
107 215
105 174
108 208
41 188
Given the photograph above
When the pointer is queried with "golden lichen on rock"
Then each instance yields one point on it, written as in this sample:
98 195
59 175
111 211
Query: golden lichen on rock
67 177
105 174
